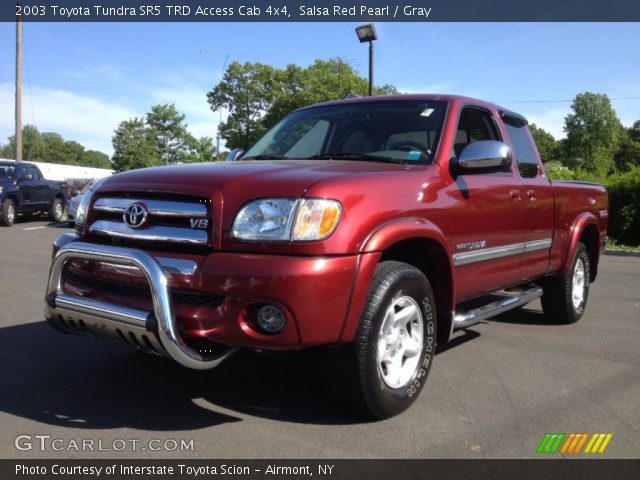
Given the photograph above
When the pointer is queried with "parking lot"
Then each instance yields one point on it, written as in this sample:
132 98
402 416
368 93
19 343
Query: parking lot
492 393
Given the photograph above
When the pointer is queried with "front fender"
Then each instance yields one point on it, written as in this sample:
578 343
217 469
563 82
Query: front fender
400 229
371 251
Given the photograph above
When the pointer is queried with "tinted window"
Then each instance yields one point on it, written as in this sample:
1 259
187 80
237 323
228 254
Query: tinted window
475 124
406 131
524 150
34 171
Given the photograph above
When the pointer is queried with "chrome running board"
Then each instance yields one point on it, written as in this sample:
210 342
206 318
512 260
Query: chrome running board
508 302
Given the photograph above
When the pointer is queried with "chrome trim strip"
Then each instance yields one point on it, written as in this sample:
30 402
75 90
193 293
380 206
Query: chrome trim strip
466 258
160 233
115 313
536 245
178 266
165 208
466 319
167 328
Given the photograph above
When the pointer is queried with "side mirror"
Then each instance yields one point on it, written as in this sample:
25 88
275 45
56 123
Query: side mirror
28 177
484 156
235 155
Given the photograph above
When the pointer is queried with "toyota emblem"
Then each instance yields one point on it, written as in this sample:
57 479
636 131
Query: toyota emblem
135 215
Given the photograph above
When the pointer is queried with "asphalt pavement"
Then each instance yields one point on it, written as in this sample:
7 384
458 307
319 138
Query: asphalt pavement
493 392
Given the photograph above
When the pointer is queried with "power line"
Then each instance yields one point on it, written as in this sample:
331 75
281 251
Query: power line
559 101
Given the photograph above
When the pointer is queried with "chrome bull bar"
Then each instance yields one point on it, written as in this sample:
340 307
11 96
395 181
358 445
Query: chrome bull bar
157 328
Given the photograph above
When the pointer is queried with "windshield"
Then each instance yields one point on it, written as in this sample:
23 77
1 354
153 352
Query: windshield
7 171
86 187
396 131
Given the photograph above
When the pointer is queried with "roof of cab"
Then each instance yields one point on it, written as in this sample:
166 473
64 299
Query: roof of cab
504 112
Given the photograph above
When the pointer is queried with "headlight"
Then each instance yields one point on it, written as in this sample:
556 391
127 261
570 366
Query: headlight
316 219
284 219
83 207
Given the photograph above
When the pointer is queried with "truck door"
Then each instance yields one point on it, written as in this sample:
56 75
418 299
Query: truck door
40 194
538 199
26 187
486 227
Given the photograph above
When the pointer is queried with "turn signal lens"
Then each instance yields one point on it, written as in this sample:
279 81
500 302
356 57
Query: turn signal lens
316 219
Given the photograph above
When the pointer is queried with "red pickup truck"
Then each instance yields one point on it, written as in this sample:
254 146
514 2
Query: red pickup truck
373 227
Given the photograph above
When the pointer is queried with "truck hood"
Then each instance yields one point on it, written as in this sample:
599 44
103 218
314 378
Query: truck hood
290 178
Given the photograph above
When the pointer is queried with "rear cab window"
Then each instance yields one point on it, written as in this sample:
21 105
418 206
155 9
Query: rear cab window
523 148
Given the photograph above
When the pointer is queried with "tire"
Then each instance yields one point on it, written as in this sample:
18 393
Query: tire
57 210
384 370
8 214
564 297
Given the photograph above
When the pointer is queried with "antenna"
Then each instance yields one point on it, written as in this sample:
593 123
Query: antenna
224 66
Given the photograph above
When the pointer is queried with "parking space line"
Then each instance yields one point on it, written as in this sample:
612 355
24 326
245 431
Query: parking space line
34 228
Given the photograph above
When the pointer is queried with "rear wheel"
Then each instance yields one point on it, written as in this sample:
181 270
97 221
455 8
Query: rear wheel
57 210
8 214
564 297
384 370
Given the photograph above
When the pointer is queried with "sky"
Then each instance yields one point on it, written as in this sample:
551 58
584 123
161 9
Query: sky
82 79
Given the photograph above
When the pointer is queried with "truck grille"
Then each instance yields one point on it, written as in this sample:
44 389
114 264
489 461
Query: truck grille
138 291
185 222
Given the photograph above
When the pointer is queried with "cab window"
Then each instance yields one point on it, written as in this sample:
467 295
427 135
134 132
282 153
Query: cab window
523 149
475 124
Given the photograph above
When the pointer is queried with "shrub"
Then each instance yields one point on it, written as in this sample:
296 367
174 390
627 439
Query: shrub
624 205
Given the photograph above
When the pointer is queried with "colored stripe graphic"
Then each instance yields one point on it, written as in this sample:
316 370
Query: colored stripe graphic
598 442
574 443
551 442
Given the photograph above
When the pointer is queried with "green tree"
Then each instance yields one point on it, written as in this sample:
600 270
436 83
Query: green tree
628 152
73 152
167 128
32 145
204 150
247 91
132 146
54 147
548 146
93 158
257 96
593 132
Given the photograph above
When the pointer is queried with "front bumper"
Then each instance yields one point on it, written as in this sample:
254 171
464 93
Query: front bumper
314 293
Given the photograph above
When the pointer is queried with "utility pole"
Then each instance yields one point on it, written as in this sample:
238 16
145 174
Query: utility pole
224 66
18 89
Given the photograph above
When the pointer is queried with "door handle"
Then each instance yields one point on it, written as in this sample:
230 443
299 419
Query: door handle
531 194
515 194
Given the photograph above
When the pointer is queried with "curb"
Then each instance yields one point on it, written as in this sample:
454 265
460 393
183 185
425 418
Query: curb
622 253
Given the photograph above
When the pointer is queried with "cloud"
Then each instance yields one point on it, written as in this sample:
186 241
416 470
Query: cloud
85 119
188 91
551 120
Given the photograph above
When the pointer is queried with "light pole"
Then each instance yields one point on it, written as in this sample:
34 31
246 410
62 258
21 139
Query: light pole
367 33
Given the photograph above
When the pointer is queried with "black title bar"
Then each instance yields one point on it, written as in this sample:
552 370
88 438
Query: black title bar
320 469
321 11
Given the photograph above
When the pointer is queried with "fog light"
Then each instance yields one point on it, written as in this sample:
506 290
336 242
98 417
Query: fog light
271 319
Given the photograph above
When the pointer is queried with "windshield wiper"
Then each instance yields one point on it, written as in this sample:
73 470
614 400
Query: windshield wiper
265 157
354 156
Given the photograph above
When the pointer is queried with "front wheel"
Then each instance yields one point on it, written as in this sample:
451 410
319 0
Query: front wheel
384 370
564 297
